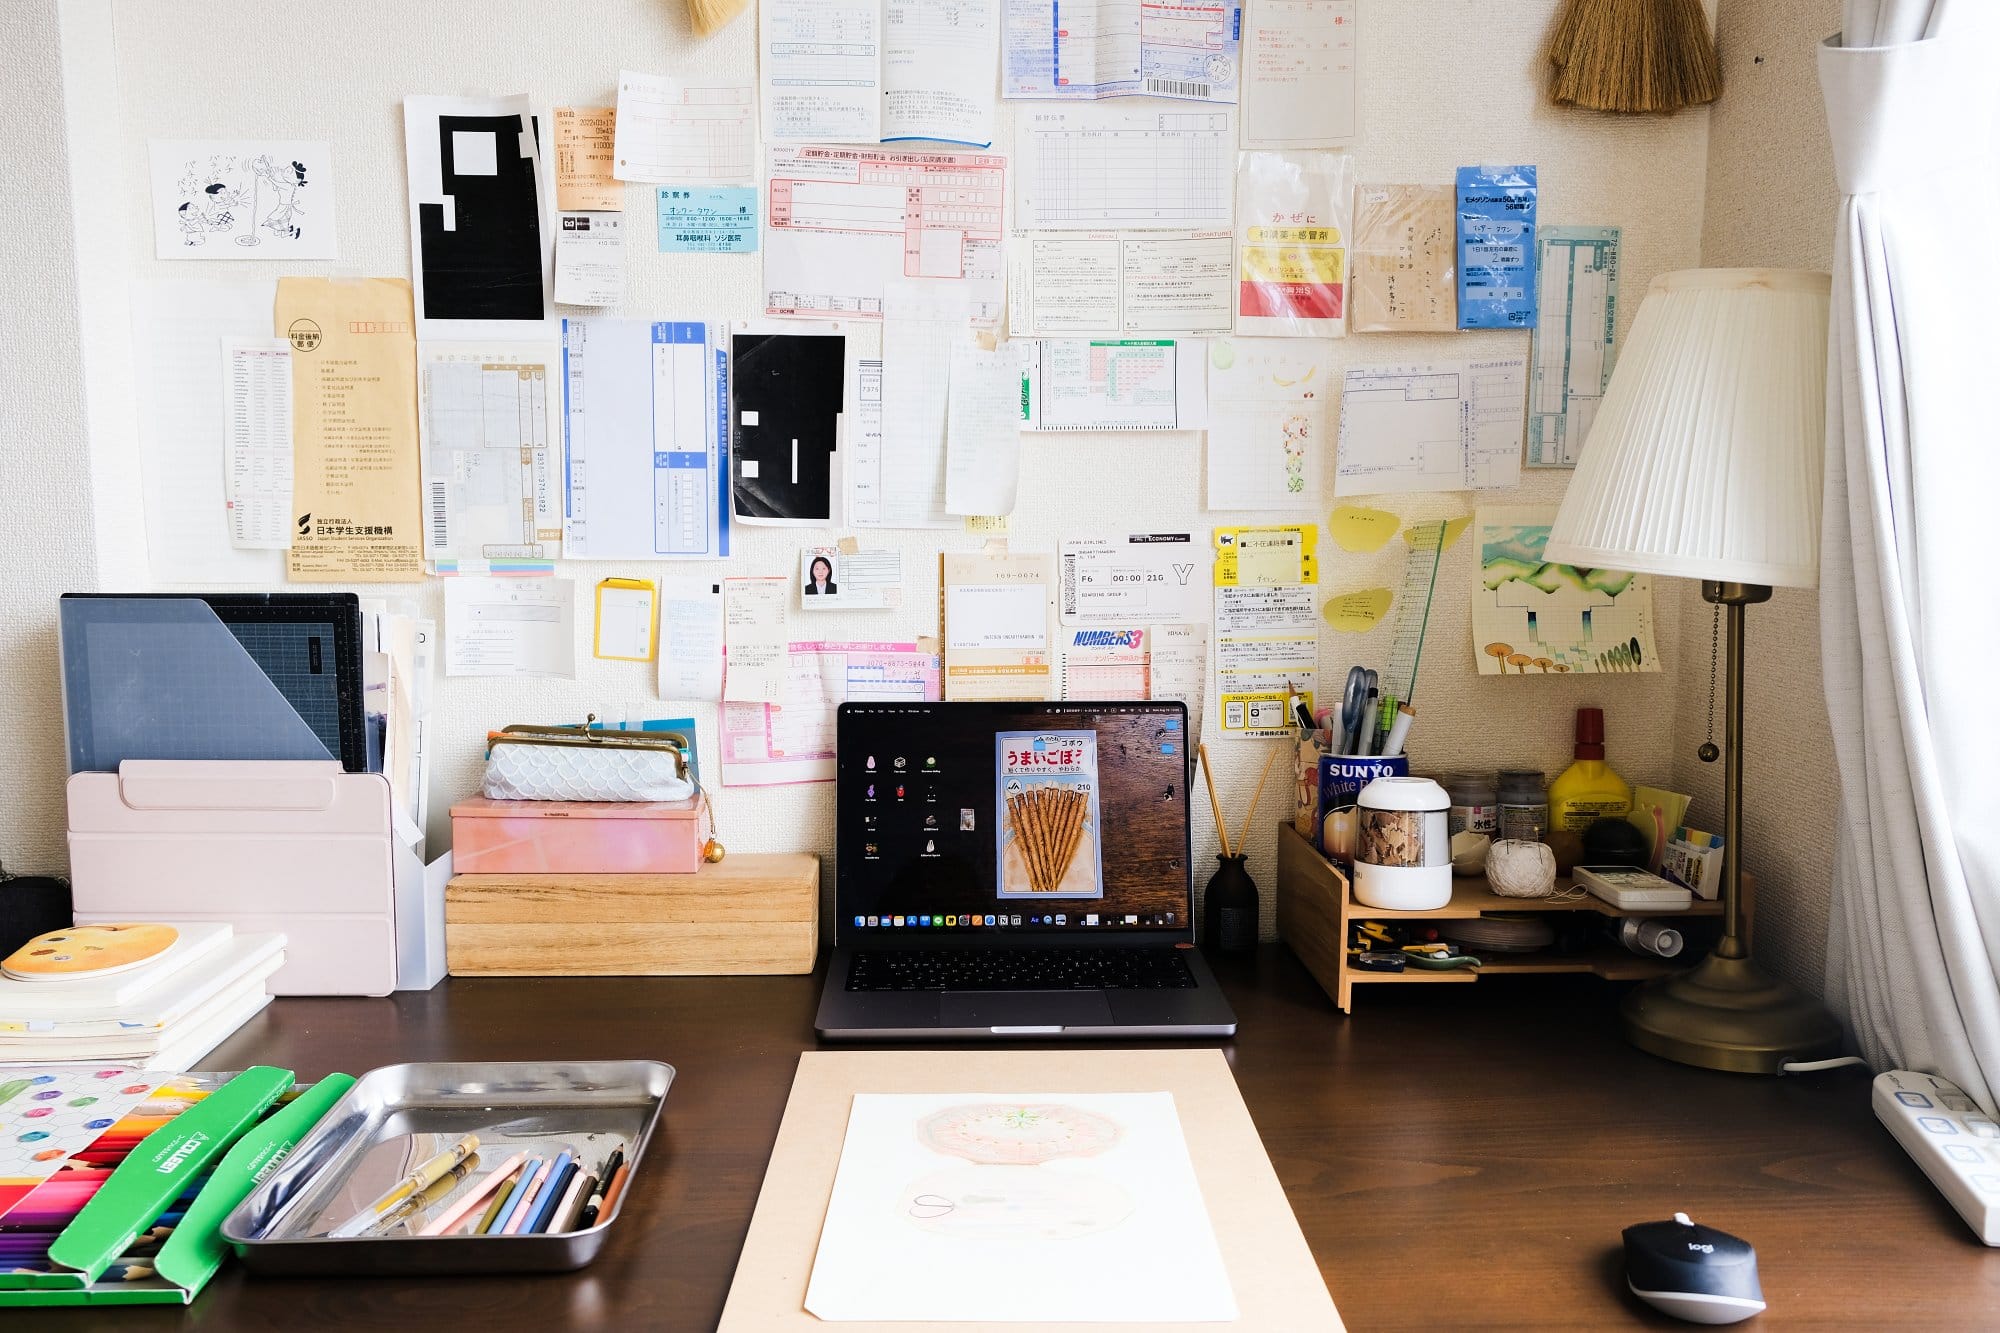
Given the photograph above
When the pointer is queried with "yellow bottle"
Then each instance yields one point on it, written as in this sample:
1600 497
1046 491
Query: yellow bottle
1588 790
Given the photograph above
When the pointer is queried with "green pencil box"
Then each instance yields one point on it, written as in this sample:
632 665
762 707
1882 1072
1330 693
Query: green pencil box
228 1124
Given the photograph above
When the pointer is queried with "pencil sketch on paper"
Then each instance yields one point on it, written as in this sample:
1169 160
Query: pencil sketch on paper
1005 1192
242 200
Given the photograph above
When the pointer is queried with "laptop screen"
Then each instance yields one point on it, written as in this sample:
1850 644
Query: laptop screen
957 818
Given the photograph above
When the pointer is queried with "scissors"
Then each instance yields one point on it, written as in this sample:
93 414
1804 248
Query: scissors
1353 706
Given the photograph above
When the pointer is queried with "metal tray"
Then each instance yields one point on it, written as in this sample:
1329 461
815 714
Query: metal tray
397 1116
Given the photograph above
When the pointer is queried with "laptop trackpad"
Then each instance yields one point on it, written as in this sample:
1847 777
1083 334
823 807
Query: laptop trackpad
1014 1008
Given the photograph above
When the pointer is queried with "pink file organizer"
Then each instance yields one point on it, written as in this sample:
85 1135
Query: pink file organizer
296 846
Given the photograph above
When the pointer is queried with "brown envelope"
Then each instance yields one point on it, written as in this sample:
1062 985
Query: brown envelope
1272 1272
355 476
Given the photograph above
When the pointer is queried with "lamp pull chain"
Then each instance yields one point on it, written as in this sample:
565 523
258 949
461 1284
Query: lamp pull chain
1709 751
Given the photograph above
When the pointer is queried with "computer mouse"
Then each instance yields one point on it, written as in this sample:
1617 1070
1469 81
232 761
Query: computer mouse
1692 1272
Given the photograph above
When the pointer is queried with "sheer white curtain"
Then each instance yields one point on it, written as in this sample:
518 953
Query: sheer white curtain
1910 570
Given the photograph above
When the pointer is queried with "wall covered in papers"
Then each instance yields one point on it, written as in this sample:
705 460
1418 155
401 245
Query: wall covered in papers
1437 92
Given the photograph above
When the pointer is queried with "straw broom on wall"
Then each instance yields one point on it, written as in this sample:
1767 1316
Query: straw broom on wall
1633 56
710 15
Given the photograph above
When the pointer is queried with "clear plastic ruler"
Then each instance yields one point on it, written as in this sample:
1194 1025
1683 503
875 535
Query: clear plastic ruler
1413 611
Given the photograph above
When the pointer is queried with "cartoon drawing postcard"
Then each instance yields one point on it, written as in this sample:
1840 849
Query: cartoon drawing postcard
242 199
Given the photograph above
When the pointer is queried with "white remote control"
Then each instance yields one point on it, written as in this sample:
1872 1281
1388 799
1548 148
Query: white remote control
1956 1144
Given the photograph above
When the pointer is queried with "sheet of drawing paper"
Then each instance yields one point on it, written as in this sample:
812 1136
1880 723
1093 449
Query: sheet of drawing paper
691 640
1110 284
1431 426
1085 49
1093 1193
1091 167
586 138
710 220
1403 263
847 578
1142 578
1496 247
785 396
257 379
1266 627
1291 244
821 62
938 63
590 259
509 627
1531 617
491 421
179 328
1270 430
356 458
753 638
1298 73
764 745
983 430
1177 668
1572 350
1114 384
844 222
646 430
242 199
904 486
482 218
671 129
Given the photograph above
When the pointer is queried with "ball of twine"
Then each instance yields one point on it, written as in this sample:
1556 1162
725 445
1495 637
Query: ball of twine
1517 869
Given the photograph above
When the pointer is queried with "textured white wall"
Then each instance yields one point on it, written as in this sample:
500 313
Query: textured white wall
45 492
1447 82
1771 203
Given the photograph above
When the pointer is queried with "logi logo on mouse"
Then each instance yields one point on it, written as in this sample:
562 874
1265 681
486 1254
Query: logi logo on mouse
1705 1249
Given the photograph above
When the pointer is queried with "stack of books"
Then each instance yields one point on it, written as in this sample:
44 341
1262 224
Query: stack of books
165 1013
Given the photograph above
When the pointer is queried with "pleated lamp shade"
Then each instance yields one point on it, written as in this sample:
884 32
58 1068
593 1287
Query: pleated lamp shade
1705 458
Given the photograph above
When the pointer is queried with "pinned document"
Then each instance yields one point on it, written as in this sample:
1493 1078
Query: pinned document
1266 626
586 138
626 612
669 129
491 424
509 627
999 625
691 640
1087 49
257 377
711 220
1574 342
753 639
1109 284
1431 426
1094 166
1298 73
1072 384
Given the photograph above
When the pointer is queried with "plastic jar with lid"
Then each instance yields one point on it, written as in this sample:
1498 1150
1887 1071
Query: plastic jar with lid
1475 803
1524 804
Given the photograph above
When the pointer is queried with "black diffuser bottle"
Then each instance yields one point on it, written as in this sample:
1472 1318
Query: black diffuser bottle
1229 911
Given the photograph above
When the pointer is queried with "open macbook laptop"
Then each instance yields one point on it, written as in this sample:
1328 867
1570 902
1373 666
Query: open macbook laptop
1015 869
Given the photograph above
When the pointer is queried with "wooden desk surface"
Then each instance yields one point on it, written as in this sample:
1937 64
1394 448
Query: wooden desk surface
1455 1157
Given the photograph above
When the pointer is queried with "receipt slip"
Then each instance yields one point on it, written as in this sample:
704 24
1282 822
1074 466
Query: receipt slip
999 625
1119 384
1266 626
713 220
1143 578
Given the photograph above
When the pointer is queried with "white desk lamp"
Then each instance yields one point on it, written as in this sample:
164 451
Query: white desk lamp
1704 462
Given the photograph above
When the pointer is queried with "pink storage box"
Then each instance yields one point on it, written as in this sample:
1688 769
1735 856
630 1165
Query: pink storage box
491 837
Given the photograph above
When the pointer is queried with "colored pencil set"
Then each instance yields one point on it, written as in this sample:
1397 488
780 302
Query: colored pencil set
523 1196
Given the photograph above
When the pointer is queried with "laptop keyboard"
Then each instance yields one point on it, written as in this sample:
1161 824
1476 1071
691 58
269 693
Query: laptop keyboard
1019 969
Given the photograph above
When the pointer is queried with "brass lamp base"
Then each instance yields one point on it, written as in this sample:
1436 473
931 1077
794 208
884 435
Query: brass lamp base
1726 1014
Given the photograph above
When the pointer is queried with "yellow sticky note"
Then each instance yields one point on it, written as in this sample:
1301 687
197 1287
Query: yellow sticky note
627 616
989 524
1425 533
1357 612
1356 528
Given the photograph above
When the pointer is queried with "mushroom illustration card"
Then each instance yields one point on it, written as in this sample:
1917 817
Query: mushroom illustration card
1032 1207
242 199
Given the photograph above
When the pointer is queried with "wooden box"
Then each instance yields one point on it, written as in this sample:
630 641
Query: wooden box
747 914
